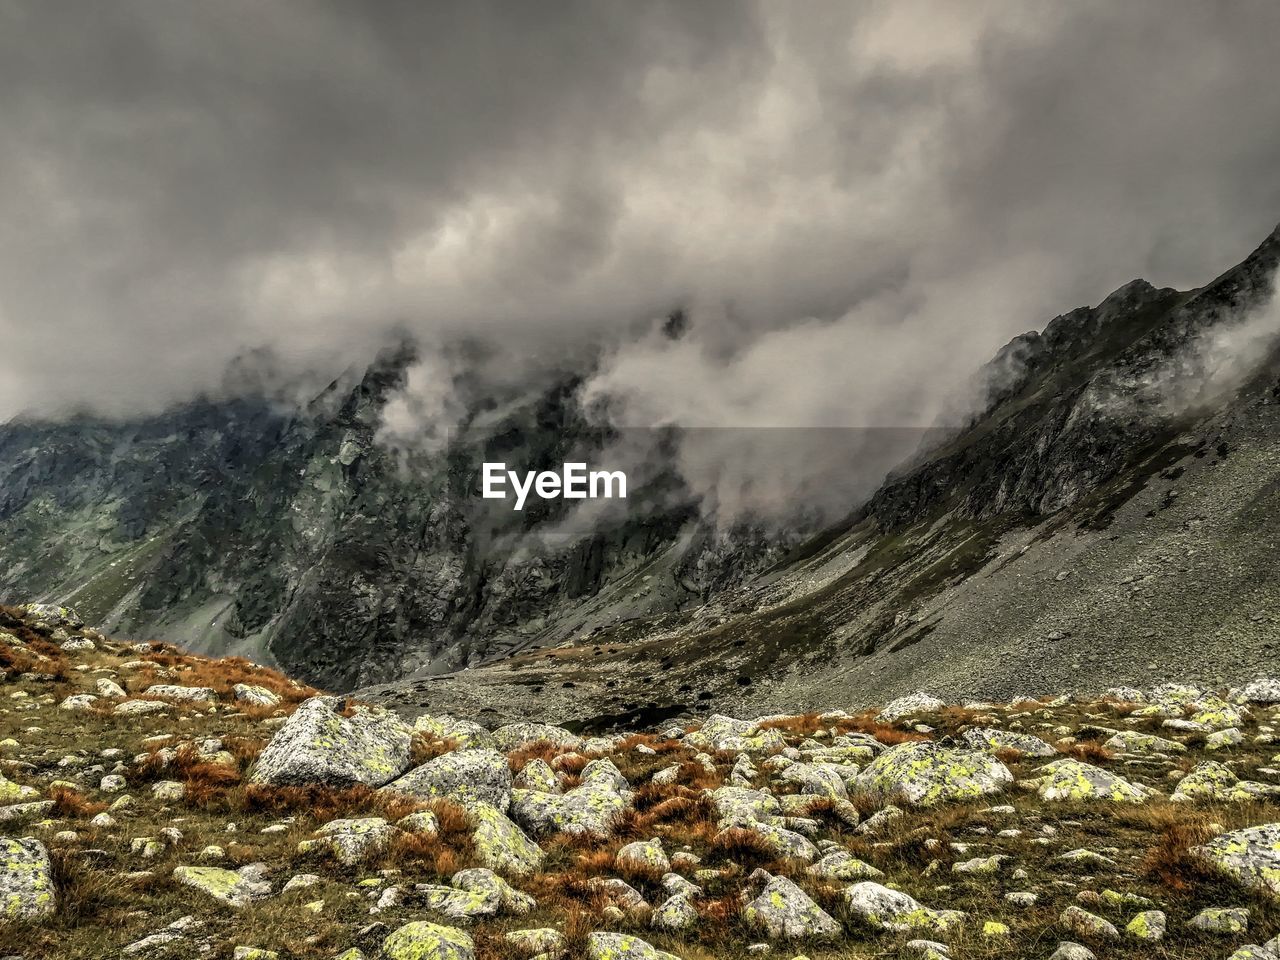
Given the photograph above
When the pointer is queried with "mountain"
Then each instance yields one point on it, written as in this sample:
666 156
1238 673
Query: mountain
1107 515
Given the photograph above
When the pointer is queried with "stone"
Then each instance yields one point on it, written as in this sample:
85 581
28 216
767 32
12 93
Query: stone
255 696
500 844
514 736
1083 923
1074 780
623 946
589 809
1148 926
227 886
539 940
1071 951
26 880
421 940
843 866
922 774
909 706
992 741
674 914
462 776
179 694
1131 741
889 909
317 744
1213 782
1250 856
783 910
351 840
1221 920
645 855
721 733
466 734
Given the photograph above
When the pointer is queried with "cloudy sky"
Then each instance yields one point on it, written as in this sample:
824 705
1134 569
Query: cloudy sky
857 202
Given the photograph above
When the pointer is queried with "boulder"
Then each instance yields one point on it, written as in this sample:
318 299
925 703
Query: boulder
783 910
1074 780
501 845
317 744
462 776
26 880
888 909
1250 856
421 940
992 741
922 774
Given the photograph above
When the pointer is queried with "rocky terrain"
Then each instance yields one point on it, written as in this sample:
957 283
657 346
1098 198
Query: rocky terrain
156 804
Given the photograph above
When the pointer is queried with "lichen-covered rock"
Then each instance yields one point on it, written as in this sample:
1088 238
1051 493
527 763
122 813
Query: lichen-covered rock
589 809
538 775
228 886
26 880
485 882
1213 782
1085 924
623 946
820 779
317 744
254 695
911 705
1224 739
179 694
501 845
993 741
889 909
79 701
536 941
1148 926
462 776
842 865
513 736
11 792
645 855
1131 741
1266 691
780 842
421 940
351 840
465 733
922 774
1071 951
783 910
1221 920
674 914
721 733
733 804
1074 780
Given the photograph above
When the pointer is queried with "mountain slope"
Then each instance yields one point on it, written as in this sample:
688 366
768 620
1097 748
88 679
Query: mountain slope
1111 516
1110 508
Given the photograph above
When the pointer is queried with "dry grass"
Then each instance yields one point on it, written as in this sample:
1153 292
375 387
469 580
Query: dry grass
72 804
220 675
1088 751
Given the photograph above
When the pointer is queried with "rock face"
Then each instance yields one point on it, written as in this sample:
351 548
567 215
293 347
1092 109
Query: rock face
26 880
922 774
1250 856
319 745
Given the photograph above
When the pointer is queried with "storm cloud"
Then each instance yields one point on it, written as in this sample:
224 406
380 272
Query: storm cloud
855 203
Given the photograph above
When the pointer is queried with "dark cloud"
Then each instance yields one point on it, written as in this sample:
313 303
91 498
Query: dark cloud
876 195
